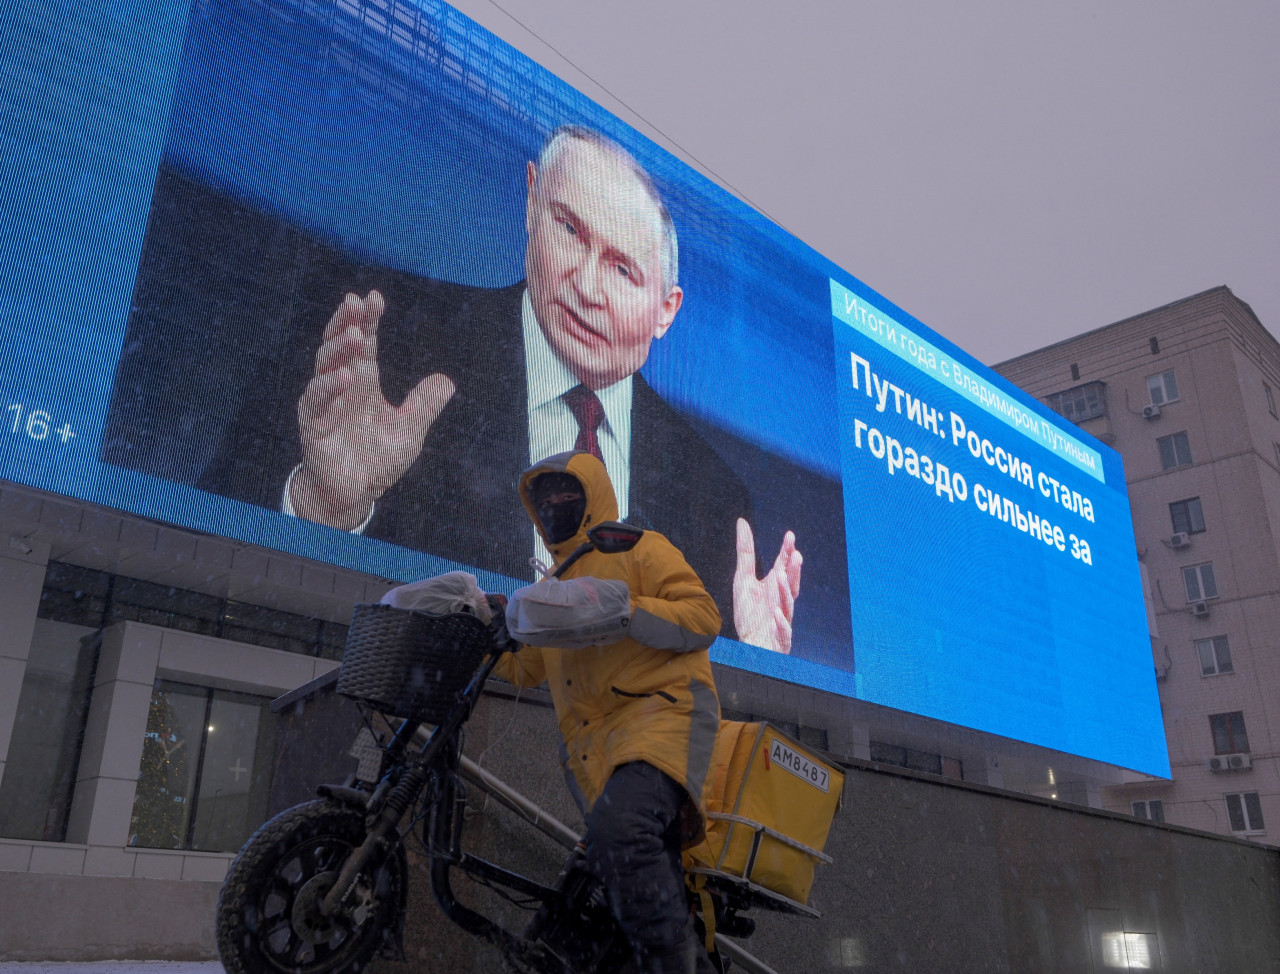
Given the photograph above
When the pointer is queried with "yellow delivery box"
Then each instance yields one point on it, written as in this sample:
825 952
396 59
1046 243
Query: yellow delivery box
770 802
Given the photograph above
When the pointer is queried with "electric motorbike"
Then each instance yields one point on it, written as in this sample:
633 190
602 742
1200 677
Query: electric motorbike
322 888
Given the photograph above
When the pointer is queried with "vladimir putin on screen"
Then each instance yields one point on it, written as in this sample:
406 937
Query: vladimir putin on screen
491 380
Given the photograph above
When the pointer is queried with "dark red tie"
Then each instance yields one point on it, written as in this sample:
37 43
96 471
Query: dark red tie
586 409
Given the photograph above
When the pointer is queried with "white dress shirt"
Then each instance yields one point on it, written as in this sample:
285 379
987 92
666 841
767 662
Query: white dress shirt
552 428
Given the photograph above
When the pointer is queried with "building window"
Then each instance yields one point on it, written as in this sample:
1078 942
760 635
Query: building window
1163 388
44 751
1271 400
206 768
86 597
1075 372
1088 401
1152 810
1229 736
905 757
1175 451
1200 582
1215 655
1155 345
1188 517
1244 809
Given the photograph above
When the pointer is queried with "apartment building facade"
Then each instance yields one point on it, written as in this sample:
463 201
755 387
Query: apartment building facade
1189 394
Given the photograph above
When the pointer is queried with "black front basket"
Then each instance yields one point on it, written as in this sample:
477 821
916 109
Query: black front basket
410 664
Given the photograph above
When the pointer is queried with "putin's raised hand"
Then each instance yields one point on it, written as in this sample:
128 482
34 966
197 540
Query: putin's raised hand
764 607
355 444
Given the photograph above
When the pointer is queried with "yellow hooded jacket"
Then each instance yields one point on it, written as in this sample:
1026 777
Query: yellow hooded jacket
650 696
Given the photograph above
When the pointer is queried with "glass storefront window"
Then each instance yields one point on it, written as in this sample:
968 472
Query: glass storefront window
44 752
205 772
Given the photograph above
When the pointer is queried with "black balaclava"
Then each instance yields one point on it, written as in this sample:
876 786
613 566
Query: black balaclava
560 503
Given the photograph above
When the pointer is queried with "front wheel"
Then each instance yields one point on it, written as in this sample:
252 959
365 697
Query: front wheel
269 919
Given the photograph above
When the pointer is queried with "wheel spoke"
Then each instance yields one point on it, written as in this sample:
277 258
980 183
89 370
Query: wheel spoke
281 886
275 903
306 954
279 938
327 853
291 871
309 860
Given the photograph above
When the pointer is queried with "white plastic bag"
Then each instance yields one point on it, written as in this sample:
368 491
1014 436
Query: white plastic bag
572 614
451 592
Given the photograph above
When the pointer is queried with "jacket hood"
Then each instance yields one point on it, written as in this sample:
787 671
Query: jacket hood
602 503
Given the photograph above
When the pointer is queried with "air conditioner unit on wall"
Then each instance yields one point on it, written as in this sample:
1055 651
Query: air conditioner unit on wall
1200 610
1230 762
1151 411
1180 540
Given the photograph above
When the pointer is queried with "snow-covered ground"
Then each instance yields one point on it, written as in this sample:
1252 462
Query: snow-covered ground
113 967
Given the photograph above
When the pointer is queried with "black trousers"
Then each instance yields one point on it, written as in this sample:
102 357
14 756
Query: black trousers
633 847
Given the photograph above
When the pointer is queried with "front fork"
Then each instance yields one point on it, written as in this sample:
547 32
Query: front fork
385 809
395 795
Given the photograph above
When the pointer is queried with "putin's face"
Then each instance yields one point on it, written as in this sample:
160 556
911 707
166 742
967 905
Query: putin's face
594 264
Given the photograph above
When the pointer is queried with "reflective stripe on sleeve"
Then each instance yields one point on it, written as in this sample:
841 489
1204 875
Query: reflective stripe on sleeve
704 722
658 633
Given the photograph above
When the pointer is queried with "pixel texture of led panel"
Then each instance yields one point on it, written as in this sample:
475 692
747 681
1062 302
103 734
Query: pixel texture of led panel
192 189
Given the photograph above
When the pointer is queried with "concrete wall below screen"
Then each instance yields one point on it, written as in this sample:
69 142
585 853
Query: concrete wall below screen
930 874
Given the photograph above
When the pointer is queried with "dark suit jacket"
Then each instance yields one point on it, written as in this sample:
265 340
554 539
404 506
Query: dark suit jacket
458 500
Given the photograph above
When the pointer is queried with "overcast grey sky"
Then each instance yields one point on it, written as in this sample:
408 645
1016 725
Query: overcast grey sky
1010 173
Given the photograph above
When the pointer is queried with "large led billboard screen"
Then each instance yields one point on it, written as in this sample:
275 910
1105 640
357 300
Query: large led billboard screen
325 275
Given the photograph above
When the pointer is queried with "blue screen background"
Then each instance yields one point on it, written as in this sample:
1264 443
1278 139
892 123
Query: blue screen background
953 615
